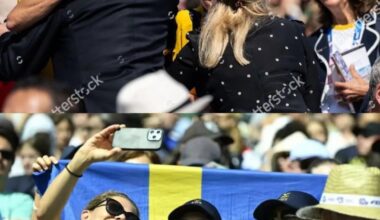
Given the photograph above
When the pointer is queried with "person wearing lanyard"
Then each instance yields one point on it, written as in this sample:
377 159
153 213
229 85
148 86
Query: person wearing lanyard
345 25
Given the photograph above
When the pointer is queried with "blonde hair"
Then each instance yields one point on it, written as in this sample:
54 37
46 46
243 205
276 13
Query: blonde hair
223 25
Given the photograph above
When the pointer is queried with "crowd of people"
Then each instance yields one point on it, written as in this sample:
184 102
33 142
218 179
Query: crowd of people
264 56
343 146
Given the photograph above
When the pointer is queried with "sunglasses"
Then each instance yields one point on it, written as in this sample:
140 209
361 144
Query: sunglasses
114 208
8 155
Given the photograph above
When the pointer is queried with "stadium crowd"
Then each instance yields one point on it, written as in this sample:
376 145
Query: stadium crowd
265 56
344 146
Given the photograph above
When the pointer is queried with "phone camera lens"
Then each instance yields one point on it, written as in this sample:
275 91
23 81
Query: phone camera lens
154 136
151 132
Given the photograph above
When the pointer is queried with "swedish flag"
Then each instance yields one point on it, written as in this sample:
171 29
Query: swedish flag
158 189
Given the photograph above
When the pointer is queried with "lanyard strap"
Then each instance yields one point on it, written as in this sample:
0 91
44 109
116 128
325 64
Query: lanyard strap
358 35
359 32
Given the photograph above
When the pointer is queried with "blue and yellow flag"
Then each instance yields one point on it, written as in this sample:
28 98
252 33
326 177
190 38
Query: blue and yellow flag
158 189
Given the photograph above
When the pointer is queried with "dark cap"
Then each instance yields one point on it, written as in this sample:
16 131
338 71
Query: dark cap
198 129
196 205
291 201
199 151
372 129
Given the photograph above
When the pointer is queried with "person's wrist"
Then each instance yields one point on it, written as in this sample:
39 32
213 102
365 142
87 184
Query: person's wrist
79 163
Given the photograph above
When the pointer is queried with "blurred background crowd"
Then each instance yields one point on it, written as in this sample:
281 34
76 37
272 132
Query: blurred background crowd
291 143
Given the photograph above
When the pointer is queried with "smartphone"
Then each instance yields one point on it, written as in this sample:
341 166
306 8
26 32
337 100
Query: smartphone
344 72
342 66
138 138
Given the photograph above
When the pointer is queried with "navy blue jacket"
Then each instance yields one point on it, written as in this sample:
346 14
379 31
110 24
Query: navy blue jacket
117 40
371 40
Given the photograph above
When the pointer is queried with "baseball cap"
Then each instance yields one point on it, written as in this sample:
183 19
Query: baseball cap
308 149
198 129
158 92
196 205
199 151
290 201
372 129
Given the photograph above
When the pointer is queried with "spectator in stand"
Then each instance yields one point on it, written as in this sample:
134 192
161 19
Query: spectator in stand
108 205
346 126
104 59
362 151
374 92
285 207
13 205
199 129
33 148
340 21
277 158
196 209
187 20
200 152
350 193
87 126
64 132
304 153
228 125
30 150
317 130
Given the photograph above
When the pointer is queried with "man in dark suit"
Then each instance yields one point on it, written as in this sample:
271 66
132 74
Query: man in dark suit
96 46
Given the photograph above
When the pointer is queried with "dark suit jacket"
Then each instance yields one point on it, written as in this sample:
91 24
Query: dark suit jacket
371 40
116 40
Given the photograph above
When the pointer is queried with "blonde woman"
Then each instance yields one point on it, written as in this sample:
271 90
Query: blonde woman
250 61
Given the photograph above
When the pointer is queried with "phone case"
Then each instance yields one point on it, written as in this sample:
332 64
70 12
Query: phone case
138 138
341 65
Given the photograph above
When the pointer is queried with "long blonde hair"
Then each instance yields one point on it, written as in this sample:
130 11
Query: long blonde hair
224 24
